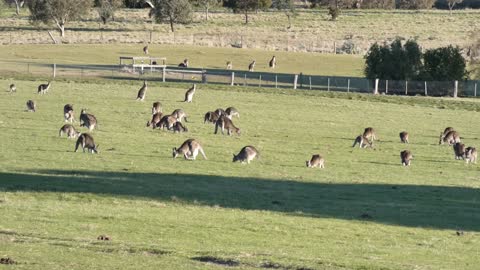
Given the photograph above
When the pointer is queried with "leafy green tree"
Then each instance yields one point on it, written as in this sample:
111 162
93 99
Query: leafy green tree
444 64
173 12
106 9
288 7
58 11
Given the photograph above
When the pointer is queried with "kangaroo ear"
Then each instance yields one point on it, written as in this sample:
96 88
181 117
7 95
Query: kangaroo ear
234 155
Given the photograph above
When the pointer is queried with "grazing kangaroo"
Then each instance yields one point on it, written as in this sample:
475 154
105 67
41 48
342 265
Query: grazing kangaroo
229 65
210 117
179 114
142 92
231 112
184 63
179 127
68 113
447 130
87 120
404 137
247 153
406 156
251 66
31 106
156 118
459 150
220 112
13 88
157 107
362 142
225 123
69 130
370 133
145 50
451 138
86 141
43 88
471 155
167 121
316 161
189 149
272 62
189 93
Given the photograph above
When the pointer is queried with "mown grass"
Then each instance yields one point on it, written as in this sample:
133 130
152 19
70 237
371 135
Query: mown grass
363 211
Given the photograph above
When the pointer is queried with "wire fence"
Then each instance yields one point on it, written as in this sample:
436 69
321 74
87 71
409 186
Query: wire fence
470 88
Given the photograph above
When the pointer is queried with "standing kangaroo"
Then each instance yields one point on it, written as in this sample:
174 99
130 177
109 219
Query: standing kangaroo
86 141
229 65
87 120
179 114
451 137
231 112
31 106
362 142
43 88
68 113
69 130
406 156
189 149
370 134
145 49
13 88
156 118
157 107
225 123
210 117
189 94
459 150
404 137
272 62
247 153
142 92
316 161
251 67
471 155
220 112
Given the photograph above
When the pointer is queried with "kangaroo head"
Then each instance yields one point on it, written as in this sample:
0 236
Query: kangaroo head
308 163
174 152
235 158
95 148
441 138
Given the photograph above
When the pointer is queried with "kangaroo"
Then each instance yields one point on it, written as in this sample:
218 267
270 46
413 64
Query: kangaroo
189 93
471 155
31 106
225 123
145 50
210 117
370 133
229 65
167 121
247 153
179 114
316 161
69 130
68 113
157 107
447 130
220 112
13 88
155 120
362 142
272 62
189 149
459 150
142 92
406 156
451 138
87 120
231 112
86 141
404 137
251 66
184 64
43 88
179 127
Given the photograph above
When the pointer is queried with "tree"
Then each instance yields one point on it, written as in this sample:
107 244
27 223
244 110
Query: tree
452 3
57 11
334 12
206 5
172 11
18 5
444 64
106 9
244 6
288 7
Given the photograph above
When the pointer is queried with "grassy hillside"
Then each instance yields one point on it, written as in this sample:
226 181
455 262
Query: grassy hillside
363 211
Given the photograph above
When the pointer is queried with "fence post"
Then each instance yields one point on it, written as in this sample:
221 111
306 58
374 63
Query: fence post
310 81
163 74
260 81
406 88
348 85
375 90
426 92
386 86
334 47
245 82
475 90
54 70
276 85
232 80
295 79
204 76
455 91
328 84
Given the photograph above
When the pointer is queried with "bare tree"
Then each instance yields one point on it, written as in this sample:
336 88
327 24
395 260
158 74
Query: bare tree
206 5
57 11
245 6
288 7
172 11
452 3
18 5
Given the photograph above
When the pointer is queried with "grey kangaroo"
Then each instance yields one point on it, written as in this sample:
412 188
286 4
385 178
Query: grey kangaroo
247 153
86 141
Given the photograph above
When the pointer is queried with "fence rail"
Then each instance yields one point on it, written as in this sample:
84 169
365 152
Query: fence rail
300 81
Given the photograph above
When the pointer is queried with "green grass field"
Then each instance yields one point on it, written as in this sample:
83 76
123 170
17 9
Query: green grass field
363 211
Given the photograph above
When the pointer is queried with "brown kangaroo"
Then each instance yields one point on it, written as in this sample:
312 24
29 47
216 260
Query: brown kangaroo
189 149
471 155
225 123
404 137
459 150
155 120
362 142
451 138
316 161
406 157
247 153
210 117
86 141
69 130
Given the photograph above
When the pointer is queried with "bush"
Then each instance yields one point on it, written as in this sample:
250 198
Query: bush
444 64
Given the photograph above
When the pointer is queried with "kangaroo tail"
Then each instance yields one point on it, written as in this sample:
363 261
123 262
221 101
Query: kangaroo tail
203 153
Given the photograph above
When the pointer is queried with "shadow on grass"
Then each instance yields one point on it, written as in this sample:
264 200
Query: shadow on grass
406 205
